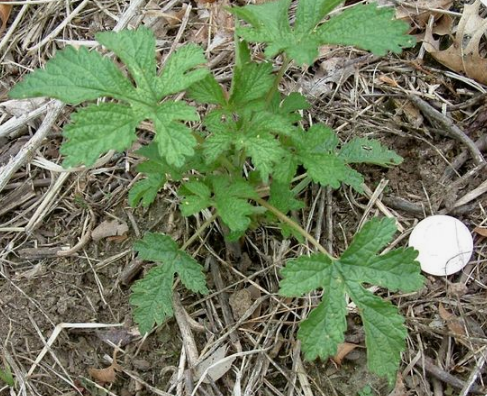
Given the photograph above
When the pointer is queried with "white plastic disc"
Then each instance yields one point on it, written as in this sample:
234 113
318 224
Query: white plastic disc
444 243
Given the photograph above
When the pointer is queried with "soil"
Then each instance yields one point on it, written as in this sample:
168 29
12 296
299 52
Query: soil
53 272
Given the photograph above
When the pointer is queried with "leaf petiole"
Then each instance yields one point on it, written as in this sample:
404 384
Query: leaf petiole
281 216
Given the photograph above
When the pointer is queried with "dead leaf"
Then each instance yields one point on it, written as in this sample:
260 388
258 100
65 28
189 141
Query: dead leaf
18 108
419 12
343 350
399 388
109 228
215 369
463 55
482 231
36 271
388 80
117 238
108 374
174 18
119 336
222 25
455 325
4 14
410 111
240 302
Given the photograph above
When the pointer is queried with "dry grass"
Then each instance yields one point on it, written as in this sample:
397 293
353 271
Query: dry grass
53 273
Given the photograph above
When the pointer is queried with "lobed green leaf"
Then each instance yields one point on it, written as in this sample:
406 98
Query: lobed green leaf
88 138
310 12
145 191
368 151
385 333
264 150
251 81
181 70
305 274
174 140
207 91
136 48
231 201
195 197
384 327
74 76
282 197
152 295
324 328
367 27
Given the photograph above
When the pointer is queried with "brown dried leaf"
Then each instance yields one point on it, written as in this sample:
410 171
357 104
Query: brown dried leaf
482 231
388 80
18 108
106 375
343 350
463 55
109 228
222 25
418 13
174 18
399 388
4 14
410 111
455 325
215 366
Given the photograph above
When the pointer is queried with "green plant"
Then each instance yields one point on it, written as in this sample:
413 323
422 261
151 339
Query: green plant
251 127
7 376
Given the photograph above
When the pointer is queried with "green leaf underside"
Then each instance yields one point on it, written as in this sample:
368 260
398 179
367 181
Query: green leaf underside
321 332
88 138
367 27
152 295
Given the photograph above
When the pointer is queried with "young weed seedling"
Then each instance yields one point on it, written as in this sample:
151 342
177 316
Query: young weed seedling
252 127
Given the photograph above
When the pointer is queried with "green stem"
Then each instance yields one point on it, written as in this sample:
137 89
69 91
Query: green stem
280 74
199 231
281 216
306 180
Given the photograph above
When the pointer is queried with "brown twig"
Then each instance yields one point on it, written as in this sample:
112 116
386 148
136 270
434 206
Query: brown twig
427 364
450 128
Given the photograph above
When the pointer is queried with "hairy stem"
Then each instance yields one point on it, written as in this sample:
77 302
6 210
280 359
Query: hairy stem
280 74
199 231
281 216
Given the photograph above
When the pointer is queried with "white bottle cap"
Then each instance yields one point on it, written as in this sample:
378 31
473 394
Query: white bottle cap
444 243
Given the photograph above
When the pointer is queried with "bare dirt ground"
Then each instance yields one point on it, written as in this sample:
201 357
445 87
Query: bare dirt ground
54 272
